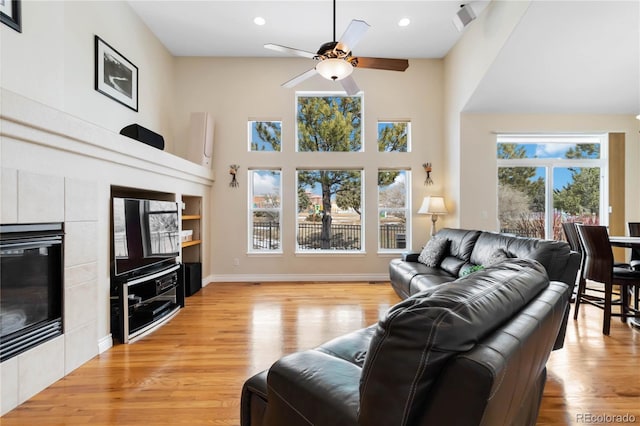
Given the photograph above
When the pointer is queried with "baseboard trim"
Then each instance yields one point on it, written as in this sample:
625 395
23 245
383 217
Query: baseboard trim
296 278
206 280
105 343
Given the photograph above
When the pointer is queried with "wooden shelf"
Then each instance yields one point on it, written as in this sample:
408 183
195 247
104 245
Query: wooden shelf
191 221
190 243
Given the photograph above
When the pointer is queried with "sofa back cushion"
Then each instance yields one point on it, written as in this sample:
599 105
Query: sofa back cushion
553 255
461 242
420 334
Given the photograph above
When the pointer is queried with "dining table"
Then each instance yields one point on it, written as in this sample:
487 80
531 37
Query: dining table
632 243
623 241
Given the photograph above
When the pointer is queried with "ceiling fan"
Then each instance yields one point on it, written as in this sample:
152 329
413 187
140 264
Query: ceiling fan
335 59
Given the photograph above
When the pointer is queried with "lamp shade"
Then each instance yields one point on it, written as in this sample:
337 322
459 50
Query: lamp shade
433 205
334 69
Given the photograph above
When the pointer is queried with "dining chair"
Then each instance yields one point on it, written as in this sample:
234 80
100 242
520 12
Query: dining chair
634 231
572 237
599 268
634 262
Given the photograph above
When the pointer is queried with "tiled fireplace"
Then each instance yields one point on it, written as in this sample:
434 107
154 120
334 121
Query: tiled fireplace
40 198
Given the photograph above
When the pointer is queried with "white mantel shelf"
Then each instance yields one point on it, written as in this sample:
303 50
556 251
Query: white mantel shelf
30 121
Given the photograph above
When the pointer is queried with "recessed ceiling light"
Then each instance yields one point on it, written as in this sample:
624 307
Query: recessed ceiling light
404 22
259 20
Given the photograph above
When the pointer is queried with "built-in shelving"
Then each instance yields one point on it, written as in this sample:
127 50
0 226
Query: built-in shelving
192 250
191 221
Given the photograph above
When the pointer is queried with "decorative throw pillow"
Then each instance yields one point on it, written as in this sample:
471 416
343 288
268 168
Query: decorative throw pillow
434 251
496 257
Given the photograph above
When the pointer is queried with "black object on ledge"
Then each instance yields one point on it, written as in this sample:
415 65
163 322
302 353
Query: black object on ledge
144 135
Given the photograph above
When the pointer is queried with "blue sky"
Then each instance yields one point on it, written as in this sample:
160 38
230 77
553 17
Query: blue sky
561 175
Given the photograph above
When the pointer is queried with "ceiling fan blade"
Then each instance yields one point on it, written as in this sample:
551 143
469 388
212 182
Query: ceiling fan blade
290 50
383 63
300 78
352 35
349 85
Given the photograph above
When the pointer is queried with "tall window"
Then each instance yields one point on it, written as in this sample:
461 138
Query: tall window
265 215
265 135
329 210
393 209
544 181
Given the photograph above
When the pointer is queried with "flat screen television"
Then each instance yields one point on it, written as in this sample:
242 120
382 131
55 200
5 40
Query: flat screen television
145 235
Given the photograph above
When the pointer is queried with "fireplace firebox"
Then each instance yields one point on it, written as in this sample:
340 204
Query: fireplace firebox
31 280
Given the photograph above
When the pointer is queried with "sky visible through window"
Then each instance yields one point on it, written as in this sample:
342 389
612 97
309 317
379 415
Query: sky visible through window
561 175
257 143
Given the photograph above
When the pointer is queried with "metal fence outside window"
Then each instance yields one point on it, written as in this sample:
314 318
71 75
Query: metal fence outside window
266 236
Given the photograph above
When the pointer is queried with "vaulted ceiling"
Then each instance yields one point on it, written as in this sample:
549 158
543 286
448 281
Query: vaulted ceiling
563 57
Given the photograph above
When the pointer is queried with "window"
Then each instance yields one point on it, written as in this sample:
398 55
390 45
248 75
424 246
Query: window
265 214
394 136
544 181
265 135
393 211
329 123
329 210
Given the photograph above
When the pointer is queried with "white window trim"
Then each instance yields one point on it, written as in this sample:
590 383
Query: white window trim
251 210
363 245
407 209
550 163
321 94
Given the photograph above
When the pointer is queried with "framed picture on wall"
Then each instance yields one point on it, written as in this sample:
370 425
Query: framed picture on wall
116 76
10 14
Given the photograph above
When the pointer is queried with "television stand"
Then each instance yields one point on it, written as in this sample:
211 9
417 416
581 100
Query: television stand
141 305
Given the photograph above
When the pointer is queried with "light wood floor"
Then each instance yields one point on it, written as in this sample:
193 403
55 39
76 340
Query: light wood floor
191 370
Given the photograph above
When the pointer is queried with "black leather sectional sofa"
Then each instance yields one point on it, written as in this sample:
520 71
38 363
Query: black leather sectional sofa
469 248
472 352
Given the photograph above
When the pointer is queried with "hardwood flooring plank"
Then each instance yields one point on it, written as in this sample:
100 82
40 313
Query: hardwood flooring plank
191 370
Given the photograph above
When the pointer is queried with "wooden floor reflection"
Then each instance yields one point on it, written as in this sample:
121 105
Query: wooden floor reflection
191 370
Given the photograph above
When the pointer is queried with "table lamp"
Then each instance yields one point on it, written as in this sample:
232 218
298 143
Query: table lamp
433 206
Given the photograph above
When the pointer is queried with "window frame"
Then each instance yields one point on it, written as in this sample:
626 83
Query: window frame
362 249
407 212
251 173
250 127
329 94
549 164
408 123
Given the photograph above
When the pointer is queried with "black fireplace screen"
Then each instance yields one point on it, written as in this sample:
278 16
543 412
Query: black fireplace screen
31 278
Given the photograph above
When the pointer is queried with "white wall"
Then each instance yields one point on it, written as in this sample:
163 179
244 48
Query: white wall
465 66
238 90
52 62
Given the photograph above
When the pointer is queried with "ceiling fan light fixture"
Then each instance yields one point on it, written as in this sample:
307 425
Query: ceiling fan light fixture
334 69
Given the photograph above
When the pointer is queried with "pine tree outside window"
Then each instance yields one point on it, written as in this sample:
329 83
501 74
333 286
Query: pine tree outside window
546 180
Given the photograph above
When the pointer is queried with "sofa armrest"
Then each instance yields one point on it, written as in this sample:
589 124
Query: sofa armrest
408 256
313 387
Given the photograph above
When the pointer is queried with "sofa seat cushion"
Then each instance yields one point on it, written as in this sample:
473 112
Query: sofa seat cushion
351 347
430 280
424 331
401 273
